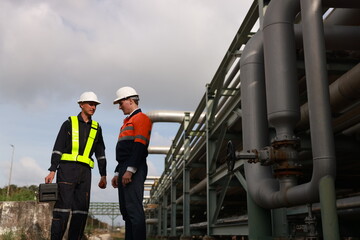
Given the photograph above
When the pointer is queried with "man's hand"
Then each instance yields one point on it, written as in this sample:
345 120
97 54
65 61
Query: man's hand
126 178
102 183
114 181
49 178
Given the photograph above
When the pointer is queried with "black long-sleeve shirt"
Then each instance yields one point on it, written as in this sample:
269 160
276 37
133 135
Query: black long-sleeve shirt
63 144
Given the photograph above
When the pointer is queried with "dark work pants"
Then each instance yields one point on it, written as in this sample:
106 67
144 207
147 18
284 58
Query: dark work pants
131 205
74 182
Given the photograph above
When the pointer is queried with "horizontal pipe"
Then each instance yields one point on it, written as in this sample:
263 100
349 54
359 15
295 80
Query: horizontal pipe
337 37
158 149
343 92
170 116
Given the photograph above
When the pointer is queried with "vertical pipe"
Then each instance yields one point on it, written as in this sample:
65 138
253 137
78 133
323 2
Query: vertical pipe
279 223
329 216
282 93
322 139
255 131
317 84
259 221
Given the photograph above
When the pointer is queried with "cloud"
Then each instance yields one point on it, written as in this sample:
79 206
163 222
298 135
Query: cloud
52 51
25 172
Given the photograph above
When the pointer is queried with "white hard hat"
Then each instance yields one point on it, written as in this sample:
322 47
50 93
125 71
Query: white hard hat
88 97
125 92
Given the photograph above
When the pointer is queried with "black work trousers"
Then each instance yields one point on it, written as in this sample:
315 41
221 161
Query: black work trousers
131 204
74 182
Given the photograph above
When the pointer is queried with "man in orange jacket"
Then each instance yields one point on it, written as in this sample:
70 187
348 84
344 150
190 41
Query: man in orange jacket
131 171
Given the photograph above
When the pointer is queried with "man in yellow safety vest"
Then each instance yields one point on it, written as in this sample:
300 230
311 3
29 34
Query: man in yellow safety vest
79 137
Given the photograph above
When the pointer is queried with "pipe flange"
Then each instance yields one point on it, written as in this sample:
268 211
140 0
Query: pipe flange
289 171
295 143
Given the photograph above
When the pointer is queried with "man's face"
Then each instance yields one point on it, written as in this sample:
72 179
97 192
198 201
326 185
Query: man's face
125 106
88 108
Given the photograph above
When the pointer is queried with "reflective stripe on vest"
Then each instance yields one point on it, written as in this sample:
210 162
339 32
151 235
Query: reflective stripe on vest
74 156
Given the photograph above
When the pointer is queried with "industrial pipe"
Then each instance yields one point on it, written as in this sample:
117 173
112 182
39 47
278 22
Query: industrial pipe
170 116
158 150
279 32
280 67
343 92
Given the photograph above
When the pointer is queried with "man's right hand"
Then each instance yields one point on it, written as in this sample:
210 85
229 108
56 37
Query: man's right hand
49 178
114 181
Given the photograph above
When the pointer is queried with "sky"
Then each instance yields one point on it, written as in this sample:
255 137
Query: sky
52 51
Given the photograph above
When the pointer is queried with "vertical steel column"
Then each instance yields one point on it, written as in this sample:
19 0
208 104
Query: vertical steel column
186 178
210 166
159 213
173 208
165 214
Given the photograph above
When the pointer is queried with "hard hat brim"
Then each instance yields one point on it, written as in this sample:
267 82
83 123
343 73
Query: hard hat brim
116 101
97 102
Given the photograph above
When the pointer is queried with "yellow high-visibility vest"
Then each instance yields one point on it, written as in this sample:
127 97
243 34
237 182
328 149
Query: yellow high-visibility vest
74 155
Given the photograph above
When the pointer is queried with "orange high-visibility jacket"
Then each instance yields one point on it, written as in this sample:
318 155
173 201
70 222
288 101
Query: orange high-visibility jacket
133 141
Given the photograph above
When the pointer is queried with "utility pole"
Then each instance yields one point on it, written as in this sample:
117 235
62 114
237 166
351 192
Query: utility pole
12 160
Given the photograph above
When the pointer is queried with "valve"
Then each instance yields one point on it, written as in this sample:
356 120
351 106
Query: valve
283 156
311 222
232 156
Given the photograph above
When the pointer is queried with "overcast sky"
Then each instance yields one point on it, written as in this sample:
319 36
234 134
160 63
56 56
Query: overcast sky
52 51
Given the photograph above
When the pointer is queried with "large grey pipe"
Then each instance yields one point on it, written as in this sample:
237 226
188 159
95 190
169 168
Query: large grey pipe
280 67
259 178
343 92
261 185
322 139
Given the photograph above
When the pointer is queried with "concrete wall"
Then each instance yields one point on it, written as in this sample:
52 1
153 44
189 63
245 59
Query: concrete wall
31 218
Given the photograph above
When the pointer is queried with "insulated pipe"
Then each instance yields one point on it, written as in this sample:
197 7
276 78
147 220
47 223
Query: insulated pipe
343 16
280 67
261 184
322 139
161 150
255 133
337 37
197 188
158 149
170 116
259 179
343 92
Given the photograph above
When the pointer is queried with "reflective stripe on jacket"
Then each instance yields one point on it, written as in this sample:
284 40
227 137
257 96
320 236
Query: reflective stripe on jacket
74 156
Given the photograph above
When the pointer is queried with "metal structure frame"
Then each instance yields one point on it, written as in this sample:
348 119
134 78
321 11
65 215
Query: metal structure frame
110 209
205 192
